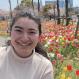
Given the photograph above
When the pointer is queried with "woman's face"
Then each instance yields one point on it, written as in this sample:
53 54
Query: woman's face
24 36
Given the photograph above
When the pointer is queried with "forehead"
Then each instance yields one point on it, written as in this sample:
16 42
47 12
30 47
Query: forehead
26 23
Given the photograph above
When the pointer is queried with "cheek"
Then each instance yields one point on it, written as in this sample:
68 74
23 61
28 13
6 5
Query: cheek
13 34
14 37
35 38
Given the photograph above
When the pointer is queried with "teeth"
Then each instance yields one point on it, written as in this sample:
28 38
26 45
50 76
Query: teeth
24 44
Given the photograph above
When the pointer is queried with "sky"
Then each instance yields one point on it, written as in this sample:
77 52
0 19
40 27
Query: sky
5 5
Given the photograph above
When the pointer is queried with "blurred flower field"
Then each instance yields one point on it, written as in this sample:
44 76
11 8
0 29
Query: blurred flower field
69 69
63 49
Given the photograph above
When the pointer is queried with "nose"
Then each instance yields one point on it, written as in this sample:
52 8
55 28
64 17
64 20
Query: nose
25 37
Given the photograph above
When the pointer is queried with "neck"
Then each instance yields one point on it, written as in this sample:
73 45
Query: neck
22 56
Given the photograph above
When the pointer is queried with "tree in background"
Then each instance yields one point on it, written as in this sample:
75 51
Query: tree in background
58 10
32 5
46 8
26 3
10 9
66 10
54 7
38 5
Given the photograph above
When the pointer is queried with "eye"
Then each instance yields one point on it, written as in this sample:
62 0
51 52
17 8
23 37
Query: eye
32 32
17 30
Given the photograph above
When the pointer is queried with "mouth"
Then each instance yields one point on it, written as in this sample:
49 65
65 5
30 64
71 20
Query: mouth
24 44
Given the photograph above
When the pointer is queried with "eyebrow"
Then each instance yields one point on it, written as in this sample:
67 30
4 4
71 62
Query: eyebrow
19 27
30 29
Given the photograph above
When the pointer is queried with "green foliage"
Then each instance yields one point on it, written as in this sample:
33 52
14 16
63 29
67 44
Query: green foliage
47 7
27 3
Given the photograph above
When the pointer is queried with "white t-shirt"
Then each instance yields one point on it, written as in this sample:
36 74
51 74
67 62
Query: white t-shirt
34 67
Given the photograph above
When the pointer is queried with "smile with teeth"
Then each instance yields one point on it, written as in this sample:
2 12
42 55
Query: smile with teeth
24 44
27 44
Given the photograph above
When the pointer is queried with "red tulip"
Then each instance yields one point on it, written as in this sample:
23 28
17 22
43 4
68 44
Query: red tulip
77 72
50 49
69 67
56 52
54 62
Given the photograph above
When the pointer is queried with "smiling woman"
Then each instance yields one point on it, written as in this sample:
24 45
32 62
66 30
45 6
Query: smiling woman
24 58
24 36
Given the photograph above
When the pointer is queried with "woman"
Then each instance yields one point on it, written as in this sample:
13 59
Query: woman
23 59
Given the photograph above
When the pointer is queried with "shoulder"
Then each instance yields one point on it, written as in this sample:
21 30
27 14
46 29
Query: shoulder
43 60
45 66
2 51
